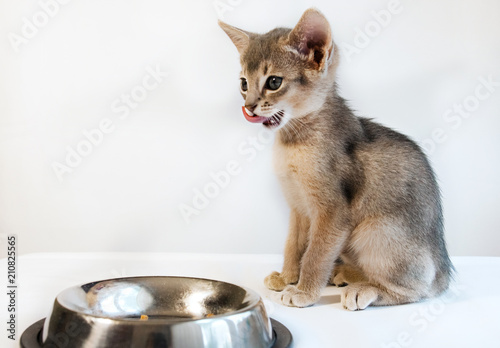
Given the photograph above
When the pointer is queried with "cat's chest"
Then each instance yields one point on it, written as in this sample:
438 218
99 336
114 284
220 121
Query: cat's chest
296 166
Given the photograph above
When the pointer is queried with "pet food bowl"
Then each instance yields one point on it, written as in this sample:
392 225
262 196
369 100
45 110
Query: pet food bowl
159 312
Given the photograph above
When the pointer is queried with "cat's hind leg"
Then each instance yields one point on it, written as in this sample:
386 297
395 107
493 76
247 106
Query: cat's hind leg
358 296
344 274
398 267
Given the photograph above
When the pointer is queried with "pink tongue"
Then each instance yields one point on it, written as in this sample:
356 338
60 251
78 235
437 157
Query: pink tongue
253 119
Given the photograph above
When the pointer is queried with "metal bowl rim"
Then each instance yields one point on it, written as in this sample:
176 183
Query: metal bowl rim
250 306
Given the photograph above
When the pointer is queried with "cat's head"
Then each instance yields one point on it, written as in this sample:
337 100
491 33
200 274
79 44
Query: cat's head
286 73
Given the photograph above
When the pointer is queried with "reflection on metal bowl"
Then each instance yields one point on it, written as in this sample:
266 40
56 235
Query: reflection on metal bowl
158 312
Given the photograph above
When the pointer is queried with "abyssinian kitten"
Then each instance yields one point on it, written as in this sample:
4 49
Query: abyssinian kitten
365 206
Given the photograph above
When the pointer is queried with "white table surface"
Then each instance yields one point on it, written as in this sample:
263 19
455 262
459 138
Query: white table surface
466 316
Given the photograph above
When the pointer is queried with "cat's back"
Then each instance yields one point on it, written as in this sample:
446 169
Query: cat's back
385 147
397 174
382 137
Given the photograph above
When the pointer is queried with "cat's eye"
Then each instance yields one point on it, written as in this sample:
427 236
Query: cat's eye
244 84
274 82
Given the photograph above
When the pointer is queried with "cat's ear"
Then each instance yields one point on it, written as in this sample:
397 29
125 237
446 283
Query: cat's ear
239 37
312 38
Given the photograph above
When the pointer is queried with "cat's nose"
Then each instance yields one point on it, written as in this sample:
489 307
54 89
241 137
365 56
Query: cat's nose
251 107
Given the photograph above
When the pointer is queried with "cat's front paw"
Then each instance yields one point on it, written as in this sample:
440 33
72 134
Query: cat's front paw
292 296
277 281
358 296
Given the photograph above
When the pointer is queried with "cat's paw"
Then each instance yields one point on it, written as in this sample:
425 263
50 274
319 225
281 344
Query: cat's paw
277 281
343 275
338 279
358 296
294 297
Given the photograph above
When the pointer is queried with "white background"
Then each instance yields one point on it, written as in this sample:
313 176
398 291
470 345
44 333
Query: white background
125 195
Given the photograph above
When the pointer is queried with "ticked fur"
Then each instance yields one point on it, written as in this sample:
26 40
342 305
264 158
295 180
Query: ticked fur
365 205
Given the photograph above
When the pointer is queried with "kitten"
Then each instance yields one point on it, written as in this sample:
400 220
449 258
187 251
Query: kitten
365 205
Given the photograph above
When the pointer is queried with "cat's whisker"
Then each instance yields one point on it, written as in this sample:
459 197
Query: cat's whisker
292 124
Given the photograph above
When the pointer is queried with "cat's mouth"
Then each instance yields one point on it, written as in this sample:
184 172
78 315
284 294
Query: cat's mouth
270 122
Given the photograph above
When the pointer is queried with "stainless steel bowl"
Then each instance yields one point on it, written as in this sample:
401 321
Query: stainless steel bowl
158 312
